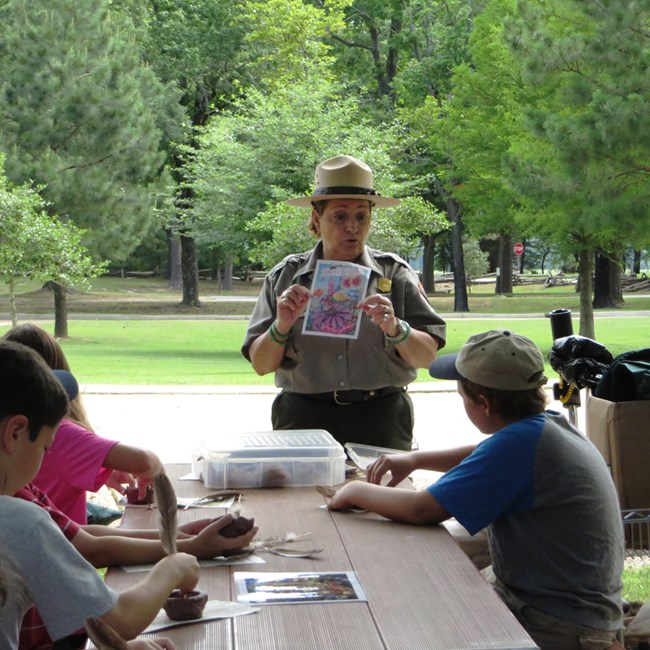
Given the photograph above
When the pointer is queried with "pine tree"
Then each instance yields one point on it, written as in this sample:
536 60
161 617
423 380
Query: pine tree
78 119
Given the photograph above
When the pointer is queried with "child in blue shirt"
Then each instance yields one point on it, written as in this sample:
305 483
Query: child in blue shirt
536 483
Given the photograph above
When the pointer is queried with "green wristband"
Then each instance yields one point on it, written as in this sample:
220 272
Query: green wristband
280 339
403 334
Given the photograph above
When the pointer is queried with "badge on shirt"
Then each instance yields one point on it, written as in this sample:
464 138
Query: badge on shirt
384 285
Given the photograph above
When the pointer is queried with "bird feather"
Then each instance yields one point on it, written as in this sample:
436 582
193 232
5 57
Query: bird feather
167 509
103 635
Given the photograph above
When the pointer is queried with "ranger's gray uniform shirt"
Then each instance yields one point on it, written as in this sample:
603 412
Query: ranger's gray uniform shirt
319 364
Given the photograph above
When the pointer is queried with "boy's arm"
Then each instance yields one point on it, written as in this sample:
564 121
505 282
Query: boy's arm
114 550
402 465
399 504
138 606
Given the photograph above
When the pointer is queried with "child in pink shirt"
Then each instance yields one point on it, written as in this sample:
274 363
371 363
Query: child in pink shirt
79 460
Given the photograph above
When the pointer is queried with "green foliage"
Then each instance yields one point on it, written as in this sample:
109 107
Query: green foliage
196 46
590 161
77 118
434 41
288 39
266 149
34 244
476 260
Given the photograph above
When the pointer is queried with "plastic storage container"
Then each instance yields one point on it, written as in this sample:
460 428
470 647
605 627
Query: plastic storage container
364 455
274 459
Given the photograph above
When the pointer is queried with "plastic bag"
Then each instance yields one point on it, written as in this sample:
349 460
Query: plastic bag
579 360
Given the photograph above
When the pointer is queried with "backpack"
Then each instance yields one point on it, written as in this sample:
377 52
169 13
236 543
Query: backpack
627 378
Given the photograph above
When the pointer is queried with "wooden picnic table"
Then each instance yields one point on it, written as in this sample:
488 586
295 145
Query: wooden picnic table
422 590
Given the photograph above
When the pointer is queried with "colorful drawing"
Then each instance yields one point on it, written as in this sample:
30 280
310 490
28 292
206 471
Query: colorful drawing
337 290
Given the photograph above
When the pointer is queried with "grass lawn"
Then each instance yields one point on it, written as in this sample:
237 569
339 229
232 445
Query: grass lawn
153 296
206 352
636 582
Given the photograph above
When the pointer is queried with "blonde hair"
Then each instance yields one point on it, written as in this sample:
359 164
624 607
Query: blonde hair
49 348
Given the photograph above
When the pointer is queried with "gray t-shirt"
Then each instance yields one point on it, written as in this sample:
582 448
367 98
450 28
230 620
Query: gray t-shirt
45 570
319 364
553 517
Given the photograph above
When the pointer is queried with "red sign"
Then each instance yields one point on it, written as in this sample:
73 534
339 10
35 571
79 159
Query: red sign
518 248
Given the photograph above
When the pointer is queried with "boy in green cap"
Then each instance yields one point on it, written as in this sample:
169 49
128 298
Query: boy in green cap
539 486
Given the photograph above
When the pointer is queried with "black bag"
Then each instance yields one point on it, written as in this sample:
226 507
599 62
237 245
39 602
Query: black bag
627 379
579 360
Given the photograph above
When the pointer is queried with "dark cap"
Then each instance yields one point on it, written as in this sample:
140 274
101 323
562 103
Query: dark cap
68 382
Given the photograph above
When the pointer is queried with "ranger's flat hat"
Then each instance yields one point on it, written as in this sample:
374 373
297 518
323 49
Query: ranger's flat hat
343 177
496 359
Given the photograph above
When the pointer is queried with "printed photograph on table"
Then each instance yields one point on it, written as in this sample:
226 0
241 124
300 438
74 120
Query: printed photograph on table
269 588
337 289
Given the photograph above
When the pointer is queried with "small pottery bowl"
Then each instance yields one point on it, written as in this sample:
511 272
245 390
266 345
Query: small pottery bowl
187 606
132 496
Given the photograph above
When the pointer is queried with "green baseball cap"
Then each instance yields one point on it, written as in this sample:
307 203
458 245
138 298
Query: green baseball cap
497 359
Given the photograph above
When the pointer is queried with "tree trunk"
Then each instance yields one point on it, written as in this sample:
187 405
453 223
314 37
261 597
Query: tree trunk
428 263
616 281
585 272
504 274
190 269
60 309
12 302
175 266
608 292
461 303
226 282
636 263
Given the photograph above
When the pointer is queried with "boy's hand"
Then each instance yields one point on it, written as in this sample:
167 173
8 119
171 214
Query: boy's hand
399 465
344 498
187 568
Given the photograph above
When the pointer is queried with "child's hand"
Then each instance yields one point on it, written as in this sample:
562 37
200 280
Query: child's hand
117 480
343 498
187 568
211 543
143 485
399 465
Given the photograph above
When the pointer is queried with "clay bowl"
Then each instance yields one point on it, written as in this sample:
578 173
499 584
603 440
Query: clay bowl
132 496
186 606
